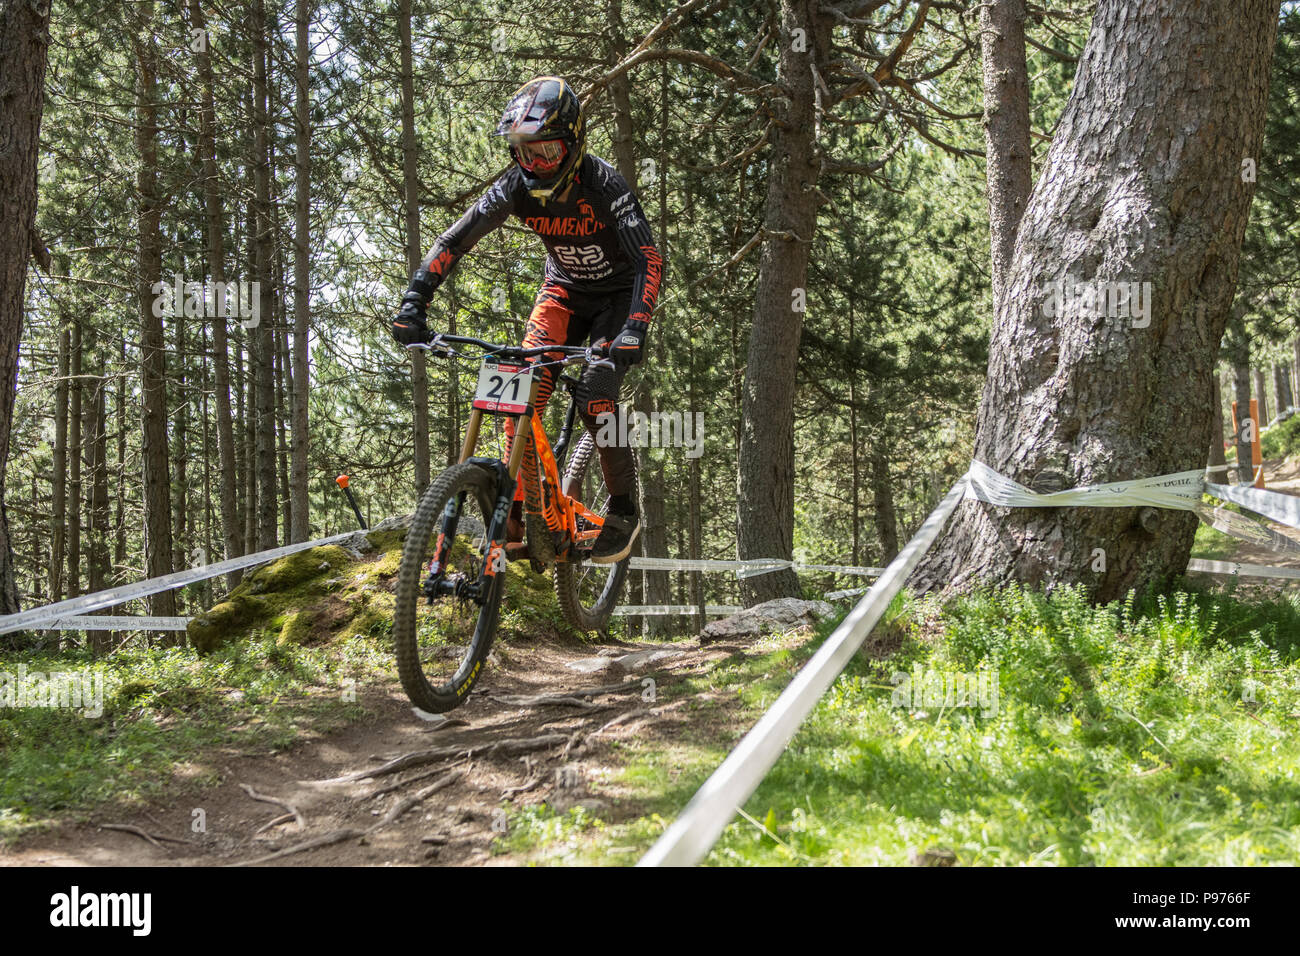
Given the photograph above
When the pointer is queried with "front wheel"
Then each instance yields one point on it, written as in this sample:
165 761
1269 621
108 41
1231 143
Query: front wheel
442 627
588 592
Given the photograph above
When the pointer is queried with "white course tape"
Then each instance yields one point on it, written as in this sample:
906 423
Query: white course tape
744 569
129 592
1244 570
652 609
1181 491
130 622
1270 504
697 828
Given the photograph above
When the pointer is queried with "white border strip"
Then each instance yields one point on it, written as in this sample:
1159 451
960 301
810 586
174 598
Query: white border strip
651 609
746 568
695 831
126 622
1245 570
129 592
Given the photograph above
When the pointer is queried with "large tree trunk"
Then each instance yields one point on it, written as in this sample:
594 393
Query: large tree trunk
765 485
1006 127
1247 427
1282 387
153 371
1142 184
231 533
1261 393
264 342
59 519
299 499
24 42
72 505
411 202
650 478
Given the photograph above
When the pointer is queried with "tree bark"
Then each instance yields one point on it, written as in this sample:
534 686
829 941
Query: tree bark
1142 183
1261 391
73 503
1006 127
153 370
1246 426
765 484
411 201
264 364
24 43
1216 456
299 498
231 534
1282 387
58 518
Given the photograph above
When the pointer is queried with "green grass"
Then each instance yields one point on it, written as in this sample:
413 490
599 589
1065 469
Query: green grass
1139 733
168 716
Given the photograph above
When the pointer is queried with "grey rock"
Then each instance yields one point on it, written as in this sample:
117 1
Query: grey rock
781 614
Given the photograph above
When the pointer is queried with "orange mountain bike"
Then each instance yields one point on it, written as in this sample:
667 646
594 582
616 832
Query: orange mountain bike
452 576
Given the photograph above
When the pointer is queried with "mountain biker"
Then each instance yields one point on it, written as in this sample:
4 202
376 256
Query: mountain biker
600 281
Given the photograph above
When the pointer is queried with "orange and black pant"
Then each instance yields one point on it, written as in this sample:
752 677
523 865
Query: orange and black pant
567 316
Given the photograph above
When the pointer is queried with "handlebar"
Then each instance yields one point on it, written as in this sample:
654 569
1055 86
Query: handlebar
574 353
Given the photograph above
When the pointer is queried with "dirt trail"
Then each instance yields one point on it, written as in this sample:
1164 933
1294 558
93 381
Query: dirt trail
554 751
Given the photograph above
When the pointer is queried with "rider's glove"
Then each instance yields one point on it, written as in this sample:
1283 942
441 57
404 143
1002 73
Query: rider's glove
628 347
409 327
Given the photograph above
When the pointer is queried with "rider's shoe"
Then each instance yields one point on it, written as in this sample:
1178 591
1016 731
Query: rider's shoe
616 537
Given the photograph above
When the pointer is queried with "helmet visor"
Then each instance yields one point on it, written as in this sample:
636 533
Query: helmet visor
541 157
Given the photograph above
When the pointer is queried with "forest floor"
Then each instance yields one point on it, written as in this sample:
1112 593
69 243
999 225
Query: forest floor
567 751
563 716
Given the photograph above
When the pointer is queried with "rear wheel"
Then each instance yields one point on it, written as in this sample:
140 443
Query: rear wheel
588 592
442 644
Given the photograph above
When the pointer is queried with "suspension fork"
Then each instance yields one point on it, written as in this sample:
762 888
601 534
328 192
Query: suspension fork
507 477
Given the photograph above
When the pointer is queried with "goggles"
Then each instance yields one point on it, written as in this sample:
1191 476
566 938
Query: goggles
540 156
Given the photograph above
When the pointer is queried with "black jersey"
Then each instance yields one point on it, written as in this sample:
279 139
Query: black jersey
597 240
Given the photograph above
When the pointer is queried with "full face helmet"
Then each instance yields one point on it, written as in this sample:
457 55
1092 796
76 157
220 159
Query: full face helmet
543 127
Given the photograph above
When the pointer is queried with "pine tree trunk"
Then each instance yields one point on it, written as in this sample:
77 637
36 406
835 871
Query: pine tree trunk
411 202
883 512
73 503
58 517
1142 183
1282 387
264 363
299 497
1216 457
1246 426
180 454
1006 127
765 487
24 43
1261 391
97 461
153 370
231 534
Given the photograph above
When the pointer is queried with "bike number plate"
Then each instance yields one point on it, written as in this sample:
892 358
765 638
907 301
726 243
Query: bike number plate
503 387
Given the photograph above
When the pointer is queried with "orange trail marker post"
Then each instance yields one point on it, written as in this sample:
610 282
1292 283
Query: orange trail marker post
342 482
